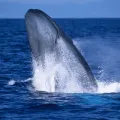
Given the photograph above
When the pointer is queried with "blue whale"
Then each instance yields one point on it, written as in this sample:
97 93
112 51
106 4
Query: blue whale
50 45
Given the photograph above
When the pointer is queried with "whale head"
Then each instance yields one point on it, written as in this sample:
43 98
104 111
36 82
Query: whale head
42 32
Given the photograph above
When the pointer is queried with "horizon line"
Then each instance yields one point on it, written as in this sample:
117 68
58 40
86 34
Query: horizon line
68 18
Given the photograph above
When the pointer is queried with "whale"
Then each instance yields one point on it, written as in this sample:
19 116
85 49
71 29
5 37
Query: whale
52 48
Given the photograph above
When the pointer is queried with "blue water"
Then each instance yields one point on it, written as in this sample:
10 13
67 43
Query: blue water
99 42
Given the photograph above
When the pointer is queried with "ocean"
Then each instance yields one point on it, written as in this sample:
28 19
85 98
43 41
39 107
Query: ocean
99 42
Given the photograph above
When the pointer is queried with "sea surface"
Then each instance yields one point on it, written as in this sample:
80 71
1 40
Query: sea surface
99 42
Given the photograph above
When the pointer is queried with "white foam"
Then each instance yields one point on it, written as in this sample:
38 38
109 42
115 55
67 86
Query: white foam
11 82
43 79
111 87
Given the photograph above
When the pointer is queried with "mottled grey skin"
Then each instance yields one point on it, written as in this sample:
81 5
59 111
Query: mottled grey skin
46 37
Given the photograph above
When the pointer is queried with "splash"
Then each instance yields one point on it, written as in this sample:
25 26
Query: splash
11 82
112 87
45 79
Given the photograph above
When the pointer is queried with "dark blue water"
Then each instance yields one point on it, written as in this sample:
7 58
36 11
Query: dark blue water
99 42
